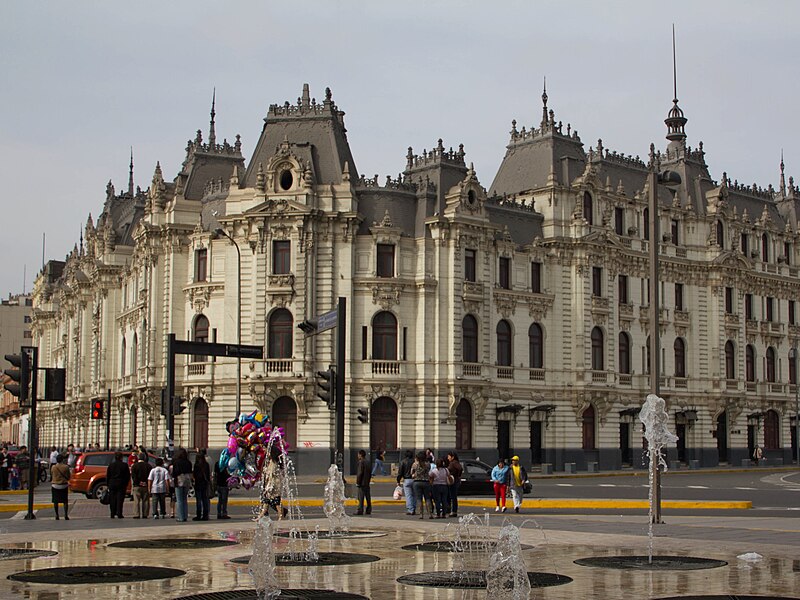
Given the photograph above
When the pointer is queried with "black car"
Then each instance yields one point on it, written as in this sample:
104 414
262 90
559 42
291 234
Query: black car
477 478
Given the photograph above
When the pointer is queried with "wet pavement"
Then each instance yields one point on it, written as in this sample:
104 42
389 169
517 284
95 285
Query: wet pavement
555 543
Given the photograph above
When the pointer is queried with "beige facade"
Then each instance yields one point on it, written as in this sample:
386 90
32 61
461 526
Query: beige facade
504 320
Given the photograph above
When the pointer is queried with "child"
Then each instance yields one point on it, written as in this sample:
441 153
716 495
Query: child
13 474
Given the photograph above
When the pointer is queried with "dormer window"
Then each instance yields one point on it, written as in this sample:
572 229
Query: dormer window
286 179
504 273
385 265
765 248
587 208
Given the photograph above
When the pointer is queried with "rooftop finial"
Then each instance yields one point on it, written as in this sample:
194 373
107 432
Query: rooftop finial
544 104
675 120
130 175
306 96
783 178
212 134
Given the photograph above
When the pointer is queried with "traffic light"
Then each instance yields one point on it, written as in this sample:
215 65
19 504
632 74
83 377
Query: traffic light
97 409
21 374
177 405
308 326
327 387
363 415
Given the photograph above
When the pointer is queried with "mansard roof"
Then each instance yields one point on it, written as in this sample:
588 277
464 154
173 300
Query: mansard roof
121 213
319 126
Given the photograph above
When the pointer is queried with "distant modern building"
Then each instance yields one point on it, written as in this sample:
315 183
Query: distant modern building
15 331
499 320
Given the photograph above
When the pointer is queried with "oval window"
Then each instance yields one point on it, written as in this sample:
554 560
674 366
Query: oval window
286 180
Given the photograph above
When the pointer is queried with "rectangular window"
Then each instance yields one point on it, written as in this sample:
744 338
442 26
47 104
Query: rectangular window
744 245
504 275
200 264
678 296
674 232
364 342
622 292
787 252
791 312
619 220
27 319
405 343
281 257
536 277
385 260
748 307
469 264
729 300
27 334
597 281
770 308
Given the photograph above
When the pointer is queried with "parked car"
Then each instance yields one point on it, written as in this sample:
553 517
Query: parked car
89 475
477 478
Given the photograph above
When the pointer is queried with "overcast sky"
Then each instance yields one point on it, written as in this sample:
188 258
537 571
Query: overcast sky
84 81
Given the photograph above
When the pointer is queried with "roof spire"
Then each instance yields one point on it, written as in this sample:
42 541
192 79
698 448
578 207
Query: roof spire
544 104
130 175
675 120
783 178
212 134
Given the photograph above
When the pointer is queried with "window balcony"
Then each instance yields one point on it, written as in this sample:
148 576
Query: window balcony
505 372
751 386
731 385
599 377
279 366
681 316
536 375
775 388
471 369
196 368
387 367
625 379
680 383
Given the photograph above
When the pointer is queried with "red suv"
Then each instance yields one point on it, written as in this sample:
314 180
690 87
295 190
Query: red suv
89 475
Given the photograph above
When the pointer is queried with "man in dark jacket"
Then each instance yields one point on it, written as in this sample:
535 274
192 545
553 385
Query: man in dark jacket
117 477
363 477
456 470
404 478
221 477
140 471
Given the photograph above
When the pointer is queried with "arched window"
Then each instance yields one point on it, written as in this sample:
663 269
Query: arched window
383 424
135 354
771 364
536 346
588 427
680 357
504 344
598 360
750 363
587 208
200 334
646 223
284 414
771 431
624 353
200 424
280 334
384 336
765 248
464 425
122 366
720 235
469 333
730 361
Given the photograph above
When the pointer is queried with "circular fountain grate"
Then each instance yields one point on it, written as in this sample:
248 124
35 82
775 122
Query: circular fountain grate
105 574
286 594
174 544
325 559
324 534
450 546
474 579
21 553
660 563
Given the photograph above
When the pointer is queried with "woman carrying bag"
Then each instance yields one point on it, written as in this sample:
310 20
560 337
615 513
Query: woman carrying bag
59 477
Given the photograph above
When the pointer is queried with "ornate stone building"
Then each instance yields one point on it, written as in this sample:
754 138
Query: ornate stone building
512 319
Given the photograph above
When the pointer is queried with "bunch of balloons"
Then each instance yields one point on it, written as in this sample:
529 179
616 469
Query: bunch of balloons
249 437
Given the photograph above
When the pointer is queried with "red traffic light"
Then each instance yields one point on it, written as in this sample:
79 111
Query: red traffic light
97 409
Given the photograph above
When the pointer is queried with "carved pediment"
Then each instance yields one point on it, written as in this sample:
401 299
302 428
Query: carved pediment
387 295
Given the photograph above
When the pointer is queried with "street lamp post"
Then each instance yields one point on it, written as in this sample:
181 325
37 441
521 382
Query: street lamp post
221 231
795 356
667 178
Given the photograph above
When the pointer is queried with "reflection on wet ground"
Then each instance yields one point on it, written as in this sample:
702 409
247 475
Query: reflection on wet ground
211 569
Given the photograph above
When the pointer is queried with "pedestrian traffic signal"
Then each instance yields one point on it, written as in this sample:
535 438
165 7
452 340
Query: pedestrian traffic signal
327 387
363 415
97 409
21 374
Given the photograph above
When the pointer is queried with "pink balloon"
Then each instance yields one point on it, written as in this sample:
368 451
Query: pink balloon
232 445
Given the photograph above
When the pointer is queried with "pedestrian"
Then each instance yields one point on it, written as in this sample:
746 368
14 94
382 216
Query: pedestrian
158 486
182 474
5 466
272 477
171 491
59 485
202 486
118 475
404 478
140 488
23 463
53 459
757 454
221 477
421 474
72 457
456 471
363 477
518 479
379 467
500 481
440 481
